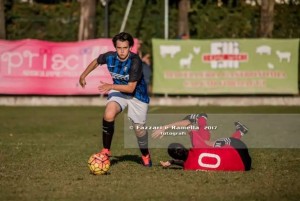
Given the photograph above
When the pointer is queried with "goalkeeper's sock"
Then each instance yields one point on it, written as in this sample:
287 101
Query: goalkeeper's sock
237 135
107 133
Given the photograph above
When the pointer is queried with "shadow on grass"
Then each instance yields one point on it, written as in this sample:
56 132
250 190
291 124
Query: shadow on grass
134 158
137 159
174 168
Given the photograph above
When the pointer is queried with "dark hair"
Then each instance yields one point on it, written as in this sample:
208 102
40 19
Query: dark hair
123 36
178 151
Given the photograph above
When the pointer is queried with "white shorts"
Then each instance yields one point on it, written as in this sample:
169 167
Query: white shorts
137 110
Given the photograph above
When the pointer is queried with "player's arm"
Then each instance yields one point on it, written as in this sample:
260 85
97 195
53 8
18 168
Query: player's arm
182 123
185 122
128 88
92 66
191 118
194 117
85 73
158 133
177 162
172 162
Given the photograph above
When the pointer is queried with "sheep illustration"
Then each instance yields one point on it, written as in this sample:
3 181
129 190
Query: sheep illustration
284 55
186 62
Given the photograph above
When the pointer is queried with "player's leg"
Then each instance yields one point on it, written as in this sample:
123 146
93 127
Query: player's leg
240 130
142 139
113 107
137 112
201 138
202 123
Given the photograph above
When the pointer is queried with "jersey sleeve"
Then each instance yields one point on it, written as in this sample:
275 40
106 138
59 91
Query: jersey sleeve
136 70
102 58
192 118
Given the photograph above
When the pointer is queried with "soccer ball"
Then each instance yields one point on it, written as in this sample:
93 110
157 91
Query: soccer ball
99 163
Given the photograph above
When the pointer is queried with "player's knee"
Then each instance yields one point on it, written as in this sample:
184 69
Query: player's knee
109 117
110 113
140 130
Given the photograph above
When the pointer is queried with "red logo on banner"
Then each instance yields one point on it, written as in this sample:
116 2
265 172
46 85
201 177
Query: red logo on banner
224 55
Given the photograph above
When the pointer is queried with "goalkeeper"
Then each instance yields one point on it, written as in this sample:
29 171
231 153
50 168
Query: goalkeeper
201 143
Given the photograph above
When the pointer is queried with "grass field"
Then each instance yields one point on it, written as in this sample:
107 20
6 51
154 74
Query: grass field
44 153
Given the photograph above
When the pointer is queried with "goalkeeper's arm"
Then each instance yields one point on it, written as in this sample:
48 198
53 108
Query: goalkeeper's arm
193 117
176 162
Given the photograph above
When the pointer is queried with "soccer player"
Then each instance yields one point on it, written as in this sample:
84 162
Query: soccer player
128 89
201 140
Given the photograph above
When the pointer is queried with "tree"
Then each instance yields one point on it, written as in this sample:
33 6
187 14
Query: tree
183 20
2 20
87 20
266 18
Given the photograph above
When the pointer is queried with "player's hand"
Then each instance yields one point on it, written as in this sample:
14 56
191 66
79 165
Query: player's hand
165 164
82 81
158 133
104 87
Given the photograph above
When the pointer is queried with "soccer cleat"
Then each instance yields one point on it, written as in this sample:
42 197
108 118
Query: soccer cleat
106 152
146 160
242 128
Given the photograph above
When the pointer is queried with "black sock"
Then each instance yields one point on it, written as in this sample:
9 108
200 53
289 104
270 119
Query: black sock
143 144
108 129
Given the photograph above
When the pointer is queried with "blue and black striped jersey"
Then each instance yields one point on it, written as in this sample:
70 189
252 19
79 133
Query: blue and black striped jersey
122 72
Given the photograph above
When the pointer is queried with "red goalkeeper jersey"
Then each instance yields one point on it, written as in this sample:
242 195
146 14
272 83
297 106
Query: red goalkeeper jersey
225 158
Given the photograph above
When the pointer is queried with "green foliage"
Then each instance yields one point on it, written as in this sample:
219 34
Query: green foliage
287 21
59 22
210 21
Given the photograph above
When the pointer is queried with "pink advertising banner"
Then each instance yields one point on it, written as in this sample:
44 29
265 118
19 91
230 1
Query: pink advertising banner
51 68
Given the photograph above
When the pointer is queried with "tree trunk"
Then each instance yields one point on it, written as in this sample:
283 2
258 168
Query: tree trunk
266 18
183 21
87 24
2 21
